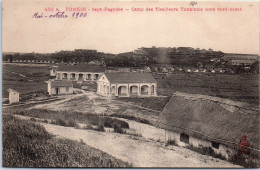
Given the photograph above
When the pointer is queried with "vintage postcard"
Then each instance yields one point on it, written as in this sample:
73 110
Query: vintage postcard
130 84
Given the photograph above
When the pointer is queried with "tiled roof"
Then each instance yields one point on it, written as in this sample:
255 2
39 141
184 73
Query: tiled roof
125 77
81 68
61 83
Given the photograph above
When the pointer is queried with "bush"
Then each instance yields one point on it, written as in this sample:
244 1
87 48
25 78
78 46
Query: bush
32 119
206 151
72 123
171 142
243 161
118 129
101 128
110 122
26 144
62 122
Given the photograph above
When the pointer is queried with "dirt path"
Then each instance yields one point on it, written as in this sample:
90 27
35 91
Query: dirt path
136 150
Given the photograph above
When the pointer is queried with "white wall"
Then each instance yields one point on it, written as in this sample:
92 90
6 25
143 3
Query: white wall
62 90
13 97
223 150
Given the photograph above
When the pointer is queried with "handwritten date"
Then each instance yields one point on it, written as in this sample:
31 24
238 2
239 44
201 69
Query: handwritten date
60 15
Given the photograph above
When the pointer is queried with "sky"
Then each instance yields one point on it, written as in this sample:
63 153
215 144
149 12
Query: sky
117 32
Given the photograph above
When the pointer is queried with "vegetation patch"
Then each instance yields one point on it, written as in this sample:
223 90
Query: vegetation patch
63 122
171 142
70 119
244 161
129 117
35 147
206 151
154 103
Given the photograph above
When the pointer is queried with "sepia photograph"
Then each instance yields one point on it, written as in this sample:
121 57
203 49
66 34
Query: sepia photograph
130 84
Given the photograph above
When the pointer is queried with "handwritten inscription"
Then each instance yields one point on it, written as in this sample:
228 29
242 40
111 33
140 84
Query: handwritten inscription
60 15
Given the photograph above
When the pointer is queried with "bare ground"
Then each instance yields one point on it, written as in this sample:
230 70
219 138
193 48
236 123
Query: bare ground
137 150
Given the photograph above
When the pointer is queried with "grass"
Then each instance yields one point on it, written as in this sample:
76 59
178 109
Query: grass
35 147
130 117
70 119
154 103
227 86
27 88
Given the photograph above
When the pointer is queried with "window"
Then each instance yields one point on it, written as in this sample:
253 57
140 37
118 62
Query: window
184 138
215 145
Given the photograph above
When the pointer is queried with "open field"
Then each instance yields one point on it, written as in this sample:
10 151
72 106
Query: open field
25 78
29 79
243 88
35 147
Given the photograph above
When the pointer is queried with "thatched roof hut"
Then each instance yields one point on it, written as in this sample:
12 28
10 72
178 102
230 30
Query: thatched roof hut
211 118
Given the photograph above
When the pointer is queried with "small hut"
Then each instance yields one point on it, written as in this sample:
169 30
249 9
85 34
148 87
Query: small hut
13 96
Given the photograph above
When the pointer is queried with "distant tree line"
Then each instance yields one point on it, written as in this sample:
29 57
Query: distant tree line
181 56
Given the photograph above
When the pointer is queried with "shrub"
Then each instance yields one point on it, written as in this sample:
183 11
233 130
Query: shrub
101 128
206 151
244 161
110 122
171 142
72 123
118 129
62 122
32 119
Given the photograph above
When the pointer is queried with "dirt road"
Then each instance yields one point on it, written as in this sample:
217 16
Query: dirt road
137 150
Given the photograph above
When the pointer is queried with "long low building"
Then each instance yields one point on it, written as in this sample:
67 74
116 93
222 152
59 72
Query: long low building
127 84
82 72
212 122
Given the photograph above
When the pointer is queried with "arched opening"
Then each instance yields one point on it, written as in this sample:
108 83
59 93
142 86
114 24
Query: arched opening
152 89
113 90
80 76
133 90
144 90
88 77
64 76
96 76
73 76
122 91
105 89
58 75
